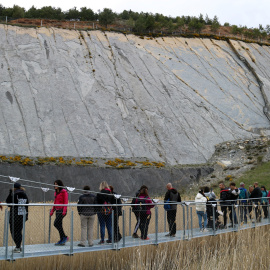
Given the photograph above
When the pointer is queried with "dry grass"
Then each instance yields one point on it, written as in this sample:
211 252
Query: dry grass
247 249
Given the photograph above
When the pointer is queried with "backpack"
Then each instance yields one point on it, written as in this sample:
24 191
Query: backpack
106 210
140 205
242 194
167 206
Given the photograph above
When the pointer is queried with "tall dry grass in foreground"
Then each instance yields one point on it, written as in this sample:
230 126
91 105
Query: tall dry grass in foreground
247 249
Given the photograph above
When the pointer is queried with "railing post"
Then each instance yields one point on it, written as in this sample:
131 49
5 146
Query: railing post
5 227
187 221
98 227
23 234
156 225
71 233
214 218
165 220
124 231
112 234
191 223
184 221
6 238
130 221
49 236
268 213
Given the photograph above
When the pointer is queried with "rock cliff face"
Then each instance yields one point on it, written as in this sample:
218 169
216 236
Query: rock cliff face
71 93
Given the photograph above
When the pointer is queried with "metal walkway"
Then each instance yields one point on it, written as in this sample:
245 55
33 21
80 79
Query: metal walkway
186 221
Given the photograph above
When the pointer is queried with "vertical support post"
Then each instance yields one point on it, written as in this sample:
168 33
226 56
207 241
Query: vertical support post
184 221
214 218
187 222
191 223
74 26
233 216
268 213
156 225
112 216
49 236
130 221
93 26
5 227
165 212
98 227
41 23
44 217
124 231
23 235
6 238
6 19
71 233
254 211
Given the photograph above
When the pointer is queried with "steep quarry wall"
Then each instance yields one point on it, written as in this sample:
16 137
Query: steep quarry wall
71 93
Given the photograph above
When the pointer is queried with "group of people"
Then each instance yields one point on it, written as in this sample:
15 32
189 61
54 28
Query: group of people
107 203
252 200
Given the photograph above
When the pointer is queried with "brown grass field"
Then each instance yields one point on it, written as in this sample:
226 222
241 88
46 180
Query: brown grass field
247 249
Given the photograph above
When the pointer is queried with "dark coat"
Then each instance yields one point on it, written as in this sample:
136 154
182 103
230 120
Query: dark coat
86 198
174 196
20 197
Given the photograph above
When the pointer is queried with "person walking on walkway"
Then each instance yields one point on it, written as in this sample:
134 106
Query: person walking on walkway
87 216
136 213
172 195
60 197
224 201
201 200
256 195
117 210
105 212
264 201
243 196
145 213
17 196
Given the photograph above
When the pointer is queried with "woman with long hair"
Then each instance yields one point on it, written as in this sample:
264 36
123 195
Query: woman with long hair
145 212
60 197
105 212
201 200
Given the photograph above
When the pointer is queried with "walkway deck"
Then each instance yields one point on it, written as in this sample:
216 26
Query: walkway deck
70 248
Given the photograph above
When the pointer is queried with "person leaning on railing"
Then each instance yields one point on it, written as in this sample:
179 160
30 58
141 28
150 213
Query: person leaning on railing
201 200
224 201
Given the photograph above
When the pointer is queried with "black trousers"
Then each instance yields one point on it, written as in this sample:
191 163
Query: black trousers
224 211
265 209
137 215
116 231
58 223
16 229
171 216
144 224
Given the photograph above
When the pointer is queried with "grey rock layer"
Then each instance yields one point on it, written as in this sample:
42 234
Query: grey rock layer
70 93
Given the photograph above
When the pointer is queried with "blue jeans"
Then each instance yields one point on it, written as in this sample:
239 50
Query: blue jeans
201 215
105 220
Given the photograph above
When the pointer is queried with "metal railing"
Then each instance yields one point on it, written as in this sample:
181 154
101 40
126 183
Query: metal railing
39 234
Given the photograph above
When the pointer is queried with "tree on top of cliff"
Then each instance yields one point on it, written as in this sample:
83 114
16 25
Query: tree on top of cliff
106 17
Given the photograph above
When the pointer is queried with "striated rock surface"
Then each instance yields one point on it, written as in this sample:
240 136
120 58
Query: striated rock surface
71 93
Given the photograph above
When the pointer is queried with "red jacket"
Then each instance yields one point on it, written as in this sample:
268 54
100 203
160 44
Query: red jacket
60 198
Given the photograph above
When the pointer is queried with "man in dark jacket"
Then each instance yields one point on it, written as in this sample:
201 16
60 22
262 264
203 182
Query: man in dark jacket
173 196
87 215
17 196
234 194
224 201
256 195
